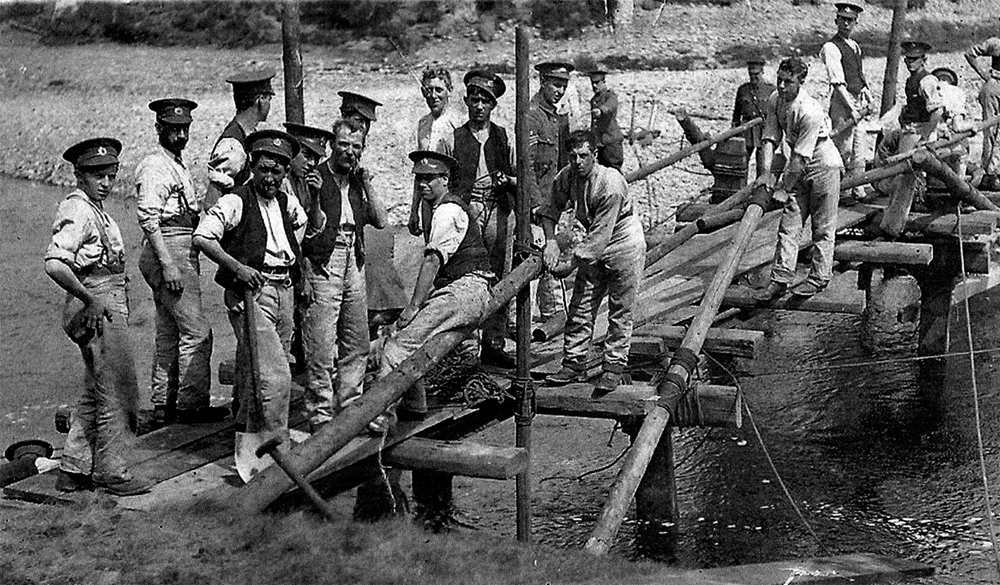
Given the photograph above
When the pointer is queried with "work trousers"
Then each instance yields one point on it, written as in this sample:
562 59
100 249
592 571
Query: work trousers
815 198
989 100
497 228
616 275
458 305
335 332
99 434
854 145
182 362
273 336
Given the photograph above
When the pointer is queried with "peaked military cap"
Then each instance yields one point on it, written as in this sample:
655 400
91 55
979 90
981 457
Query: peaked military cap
947 74
487 81
431 162
311 138
173 110
36 447
252 82
914 49
361 104
555 69
94 152
851 9
756 59
273 142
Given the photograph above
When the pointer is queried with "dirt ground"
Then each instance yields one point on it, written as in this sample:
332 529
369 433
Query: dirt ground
54 97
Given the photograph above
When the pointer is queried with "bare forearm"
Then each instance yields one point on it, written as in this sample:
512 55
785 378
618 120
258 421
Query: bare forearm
378 216
425 279
63 275
793 172
160 248
215 253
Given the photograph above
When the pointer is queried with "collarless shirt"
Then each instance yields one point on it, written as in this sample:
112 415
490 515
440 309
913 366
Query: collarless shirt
449 224
804 126
165 190
228 213
832 59
432 131
79 233
344 184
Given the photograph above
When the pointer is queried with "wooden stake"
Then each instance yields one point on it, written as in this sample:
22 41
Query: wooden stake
524 414
648 438
291 58
892 55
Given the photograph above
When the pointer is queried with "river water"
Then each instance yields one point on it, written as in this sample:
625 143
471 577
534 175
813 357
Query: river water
880 456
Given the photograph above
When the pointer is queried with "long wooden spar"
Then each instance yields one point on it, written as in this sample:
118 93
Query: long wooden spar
306 457
678 374
643 172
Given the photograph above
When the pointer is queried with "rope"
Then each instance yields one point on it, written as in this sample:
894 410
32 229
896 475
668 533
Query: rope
975 394
770 461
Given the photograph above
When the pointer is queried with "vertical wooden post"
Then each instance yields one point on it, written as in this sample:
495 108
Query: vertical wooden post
291 58
526 397
892 57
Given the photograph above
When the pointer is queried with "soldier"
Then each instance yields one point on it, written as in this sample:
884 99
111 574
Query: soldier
604 120
919 120
303 172
357 107
547 133
250 234
810 182
751 99
989 99
850 98
168 209
609 260
437 125
483 177
335 323
86 258
955 118
227 166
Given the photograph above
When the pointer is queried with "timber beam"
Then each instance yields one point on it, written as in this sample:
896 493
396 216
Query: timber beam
909 254
718 403
850 302
463 458
657 339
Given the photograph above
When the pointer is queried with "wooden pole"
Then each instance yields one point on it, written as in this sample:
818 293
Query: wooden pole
291 58
955 184
306 457
655 423
683 153
892 55
525 396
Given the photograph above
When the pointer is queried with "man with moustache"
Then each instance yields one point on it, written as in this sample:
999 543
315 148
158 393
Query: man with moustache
227 166
335 331
484 178
436 126
250 234
810 182
168 209
850 98
86 258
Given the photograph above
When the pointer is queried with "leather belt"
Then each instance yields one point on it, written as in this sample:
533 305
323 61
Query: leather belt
278 271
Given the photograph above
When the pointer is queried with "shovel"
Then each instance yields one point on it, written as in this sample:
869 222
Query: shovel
248 463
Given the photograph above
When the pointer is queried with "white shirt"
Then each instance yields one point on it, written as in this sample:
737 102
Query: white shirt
164 190
448 227
228 212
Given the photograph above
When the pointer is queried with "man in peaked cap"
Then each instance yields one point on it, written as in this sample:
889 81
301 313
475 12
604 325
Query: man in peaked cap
451 293
251 234
547 133
850 98
303 177
335 335
227 167
437 125
484 178
360 108
918 120
751 99
604 119
989 100
86 258
168 210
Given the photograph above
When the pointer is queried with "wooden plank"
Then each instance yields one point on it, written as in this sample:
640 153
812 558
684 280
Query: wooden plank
884 252
977 223
841 296
735 342
841 569
463 458
628 400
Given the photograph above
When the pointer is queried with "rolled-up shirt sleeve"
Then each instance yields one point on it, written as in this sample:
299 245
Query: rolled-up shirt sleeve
929 87
152 190
448 227
830 54
227 160
607 198
222 217
71 230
